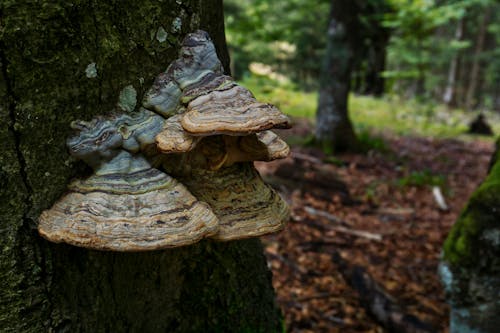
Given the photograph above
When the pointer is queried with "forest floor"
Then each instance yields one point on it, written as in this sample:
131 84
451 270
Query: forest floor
372 214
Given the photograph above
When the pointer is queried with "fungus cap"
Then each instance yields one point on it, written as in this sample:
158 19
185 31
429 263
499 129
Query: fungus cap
232 111
264 146
244 204
138 211
173 138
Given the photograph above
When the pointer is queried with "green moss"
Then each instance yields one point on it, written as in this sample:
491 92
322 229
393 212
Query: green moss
464 245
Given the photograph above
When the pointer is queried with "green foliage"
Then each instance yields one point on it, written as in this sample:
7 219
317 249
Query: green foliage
422 43
422 178
413 47
392 113
290 37
288 34
371 190
334 160
370 142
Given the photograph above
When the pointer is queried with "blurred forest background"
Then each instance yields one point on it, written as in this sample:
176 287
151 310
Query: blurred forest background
368 225
428 53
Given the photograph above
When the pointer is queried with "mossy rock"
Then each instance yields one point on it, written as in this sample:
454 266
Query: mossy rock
474 240
470 267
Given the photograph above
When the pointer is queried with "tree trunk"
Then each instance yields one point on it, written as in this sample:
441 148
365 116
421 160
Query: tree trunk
470 99
333 127
62 61
379 39
375 82
449 93
470 264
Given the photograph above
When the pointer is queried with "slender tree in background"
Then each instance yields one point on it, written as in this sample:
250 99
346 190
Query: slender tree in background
476 62
449 96
61 61
334 130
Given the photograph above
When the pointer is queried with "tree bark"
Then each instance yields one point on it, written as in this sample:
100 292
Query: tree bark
375 82
61 61
470 263
378 38
333 127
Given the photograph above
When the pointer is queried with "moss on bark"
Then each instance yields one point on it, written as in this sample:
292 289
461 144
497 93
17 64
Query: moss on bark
62 61
470 268
472 240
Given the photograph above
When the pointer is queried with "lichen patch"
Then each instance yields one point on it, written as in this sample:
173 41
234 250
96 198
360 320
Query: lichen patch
91 70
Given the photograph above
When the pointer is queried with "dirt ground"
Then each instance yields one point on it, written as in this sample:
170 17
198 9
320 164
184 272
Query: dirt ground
373 211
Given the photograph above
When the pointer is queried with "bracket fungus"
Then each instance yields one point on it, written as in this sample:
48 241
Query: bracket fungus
197 126
126 205
219 127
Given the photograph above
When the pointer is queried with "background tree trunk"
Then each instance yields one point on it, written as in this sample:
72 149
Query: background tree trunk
449 95
62 61
333 127
470 99
375 82
377 35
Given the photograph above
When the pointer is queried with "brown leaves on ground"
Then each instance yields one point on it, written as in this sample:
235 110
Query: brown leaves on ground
388 223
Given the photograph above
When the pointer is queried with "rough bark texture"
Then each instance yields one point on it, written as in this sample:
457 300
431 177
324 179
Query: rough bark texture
333 128
47 79
470 268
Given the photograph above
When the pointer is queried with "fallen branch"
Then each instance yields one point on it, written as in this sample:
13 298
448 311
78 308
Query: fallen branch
307 158
358 233
382 306
316 212
438 196
288 263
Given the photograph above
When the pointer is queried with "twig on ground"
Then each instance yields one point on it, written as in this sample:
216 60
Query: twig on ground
438 196
316 296
316 212
288 262
378 302
307 158
358 233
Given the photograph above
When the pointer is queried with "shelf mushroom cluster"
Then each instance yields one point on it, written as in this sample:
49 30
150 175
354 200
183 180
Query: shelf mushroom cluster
177 170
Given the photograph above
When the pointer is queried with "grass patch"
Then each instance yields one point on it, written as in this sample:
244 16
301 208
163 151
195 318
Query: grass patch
286 96
422 178
369 141
390 113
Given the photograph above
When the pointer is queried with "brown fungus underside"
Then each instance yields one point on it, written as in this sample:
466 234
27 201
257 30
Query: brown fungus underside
205 130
